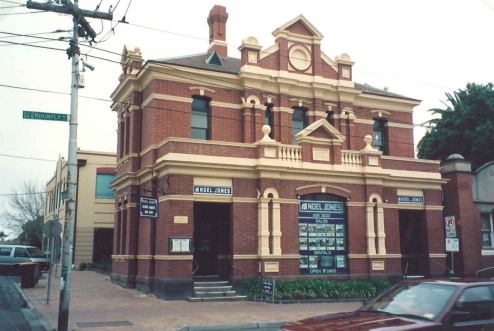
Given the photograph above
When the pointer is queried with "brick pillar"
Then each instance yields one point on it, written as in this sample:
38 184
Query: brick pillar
458 202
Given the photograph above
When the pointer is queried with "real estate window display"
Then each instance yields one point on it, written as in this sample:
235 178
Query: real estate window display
322 235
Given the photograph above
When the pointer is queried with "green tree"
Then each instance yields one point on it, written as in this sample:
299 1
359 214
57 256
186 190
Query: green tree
24 212
464 127
2 235
32 233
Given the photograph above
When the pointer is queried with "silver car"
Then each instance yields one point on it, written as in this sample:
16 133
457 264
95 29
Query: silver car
11 257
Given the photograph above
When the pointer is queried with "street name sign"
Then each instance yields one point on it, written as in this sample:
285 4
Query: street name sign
36 115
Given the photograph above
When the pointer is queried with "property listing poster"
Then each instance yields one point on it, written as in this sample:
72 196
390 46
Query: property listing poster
322 237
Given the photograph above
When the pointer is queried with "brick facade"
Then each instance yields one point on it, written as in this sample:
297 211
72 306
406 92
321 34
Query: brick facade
255 228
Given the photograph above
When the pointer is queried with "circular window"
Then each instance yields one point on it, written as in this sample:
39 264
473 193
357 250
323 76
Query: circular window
300 57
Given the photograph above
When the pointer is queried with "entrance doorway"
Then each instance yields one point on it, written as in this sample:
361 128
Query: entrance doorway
413 242
102 245
211 237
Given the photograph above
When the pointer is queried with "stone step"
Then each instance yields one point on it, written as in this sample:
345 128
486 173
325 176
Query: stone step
211 284
216 299
212 288
214 294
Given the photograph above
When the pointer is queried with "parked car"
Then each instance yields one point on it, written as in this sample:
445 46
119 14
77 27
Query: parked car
11 256
415 305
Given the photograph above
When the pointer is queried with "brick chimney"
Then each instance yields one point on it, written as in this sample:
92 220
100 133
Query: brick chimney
217 30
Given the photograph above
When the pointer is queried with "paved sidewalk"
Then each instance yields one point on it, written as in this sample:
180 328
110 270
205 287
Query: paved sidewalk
98 305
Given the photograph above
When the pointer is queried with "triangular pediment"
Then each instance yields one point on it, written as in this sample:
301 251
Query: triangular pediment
298 26
320 131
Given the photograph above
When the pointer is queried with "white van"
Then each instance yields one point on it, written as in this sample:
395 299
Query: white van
11 256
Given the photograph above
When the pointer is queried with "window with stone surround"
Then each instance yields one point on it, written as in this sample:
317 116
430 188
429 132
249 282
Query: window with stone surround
200 119
299 121
380 136
487 234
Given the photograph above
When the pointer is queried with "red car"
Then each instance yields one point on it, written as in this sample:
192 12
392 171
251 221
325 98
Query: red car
418 305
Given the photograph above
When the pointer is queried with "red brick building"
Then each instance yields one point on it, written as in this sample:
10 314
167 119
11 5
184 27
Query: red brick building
266 165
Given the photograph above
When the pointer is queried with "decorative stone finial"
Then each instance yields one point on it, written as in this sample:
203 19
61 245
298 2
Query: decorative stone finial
266 130
368 147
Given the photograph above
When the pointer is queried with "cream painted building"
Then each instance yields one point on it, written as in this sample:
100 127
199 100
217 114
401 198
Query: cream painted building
93 233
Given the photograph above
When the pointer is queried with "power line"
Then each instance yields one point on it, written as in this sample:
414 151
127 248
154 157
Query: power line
50 160
21 194
24 44
52 92
31 35
17 3
27 158
23 13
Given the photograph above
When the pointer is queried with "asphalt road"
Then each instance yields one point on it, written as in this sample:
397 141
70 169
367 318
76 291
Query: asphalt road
11 305
234 327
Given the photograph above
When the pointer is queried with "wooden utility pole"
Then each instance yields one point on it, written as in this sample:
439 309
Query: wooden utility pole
81 29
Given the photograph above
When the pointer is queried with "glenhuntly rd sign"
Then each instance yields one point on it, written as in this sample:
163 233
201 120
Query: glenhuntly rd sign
35 115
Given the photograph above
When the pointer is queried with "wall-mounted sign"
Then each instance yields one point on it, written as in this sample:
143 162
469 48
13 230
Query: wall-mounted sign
452 245
213 190
450 225
410 199
180 245
148 207
322 239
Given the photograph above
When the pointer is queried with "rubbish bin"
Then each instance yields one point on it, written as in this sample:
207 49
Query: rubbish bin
29 274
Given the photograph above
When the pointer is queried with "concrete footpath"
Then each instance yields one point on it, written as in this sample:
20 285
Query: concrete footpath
98 305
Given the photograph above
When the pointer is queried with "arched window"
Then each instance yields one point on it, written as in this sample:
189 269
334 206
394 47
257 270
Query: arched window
299 121
200 120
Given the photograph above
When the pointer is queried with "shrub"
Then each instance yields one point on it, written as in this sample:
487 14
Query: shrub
83 266
252 289
319 289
